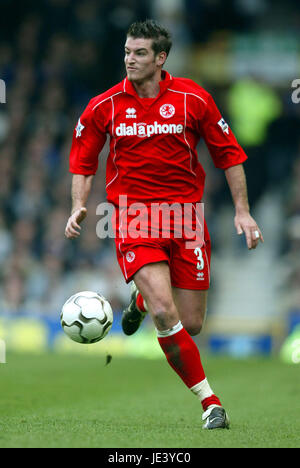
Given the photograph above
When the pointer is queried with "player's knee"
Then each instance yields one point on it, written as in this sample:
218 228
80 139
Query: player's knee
164 314
193 328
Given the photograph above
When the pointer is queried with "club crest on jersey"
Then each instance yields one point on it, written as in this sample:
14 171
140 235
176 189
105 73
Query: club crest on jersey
79 129
167 111
131 113
224 126
130 256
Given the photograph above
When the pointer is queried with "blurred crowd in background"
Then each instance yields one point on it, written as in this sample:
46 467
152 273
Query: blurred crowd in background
57 54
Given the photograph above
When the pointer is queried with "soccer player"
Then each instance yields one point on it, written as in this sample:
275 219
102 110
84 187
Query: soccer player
154 122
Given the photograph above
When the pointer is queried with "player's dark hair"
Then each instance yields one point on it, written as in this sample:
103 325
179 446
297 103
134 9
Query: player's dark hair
150 29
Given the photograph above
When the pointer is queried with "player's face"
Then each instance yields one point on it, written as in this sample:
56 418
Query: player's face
140 61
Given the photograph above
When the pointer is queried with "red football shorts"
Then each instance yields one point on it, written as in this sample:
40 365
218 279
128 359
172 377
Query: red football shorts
189 263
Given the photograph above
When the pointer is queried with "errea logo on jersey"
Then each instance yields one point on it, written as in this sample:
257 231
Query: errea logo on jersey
131 113
143 130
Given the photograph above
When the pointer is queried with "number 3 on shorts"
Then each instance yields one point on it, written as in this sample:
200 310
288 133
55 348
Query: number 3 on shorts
200 263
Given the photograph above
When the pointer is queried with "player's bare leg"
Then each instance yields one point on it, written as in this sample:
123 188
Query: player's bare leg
158 276
154 283
193 316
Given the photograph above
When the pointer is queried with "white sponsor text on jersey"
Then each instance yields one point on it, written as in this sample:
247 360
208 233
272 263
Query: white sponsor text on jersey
147 130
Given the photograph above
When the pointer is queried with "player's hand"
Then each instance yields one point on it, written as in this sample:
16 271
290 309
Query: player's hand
244 223
73 225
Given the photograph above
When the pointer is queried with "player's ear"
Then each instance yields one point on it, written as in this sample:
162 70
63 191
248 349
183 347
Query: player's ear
161 58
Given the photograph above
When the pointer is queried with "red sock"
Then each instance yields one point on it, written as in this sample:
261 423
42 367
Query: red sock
184 357
140 303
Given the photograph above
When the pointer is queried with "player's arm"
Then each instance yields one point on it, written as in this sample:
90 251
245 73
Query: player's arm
88 140
81 187
243 221
229 156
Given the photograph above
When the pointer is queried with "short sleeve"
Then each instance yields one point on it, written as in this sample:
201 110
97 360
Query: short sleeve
221 142
88 140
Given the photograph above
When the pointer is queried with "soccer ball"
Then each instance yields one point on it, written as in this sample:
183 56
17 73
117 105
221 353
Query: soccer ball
86 317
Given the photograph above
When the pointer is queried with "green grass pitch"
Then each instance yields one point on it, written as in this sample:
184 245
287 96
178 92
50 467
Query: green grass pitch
55 400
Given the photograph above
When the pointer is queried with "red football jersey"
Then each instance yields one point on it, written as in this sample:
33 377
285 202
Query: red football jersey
153 142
